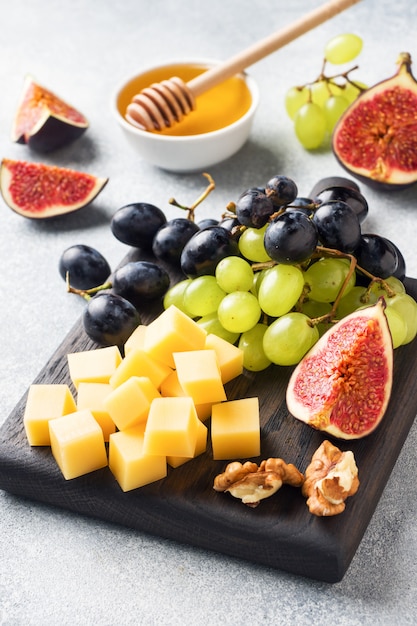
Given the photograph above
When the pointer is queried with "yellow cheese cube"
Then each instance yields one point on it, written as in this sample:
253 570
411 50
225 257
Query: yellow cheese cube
229 357
173 331
128 405
199 375
171 387
200 447
128 463
235 429
91 396
45 402
138 363
93 366
136 339
77 444
172 426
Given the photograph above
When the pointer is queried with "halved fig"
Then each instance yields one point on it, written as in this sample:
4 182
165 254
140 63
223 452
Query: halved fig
375 139
39 191
343 384
45 122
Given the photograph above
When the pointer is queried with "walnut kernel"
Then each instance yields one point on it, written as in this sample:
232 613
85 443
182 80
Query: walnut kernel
331 477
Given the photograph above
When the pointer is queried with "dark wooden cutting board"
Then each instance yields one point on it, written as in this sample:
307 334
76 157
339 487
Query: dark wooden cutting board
280 532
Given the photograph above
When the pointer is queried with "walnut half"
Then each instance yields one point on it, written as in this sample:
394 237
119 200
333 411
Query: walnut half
331 477
251 483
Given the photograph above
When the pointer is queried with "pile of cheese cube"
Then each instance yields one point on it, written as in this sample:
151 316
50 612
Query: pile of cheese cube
145 411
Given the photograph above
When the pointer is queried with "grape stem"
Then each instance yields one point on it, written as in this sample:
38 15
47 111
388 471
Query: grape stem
203 196
86 293
322 77
330 252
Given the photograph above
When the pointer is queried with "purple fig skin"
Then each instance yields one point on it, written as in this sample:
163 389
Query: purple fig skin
54 134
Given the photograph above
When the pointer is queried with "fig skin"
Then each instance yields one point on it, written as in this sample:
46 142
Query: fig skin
329 388
367 129
43 121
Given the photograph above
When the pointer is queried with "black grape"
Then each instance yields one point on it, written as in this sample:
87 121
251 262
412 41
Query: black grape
86 267
109 319
333 181
230 224
291 237
207 221
136 224
205 249
351 196
338 226
140 281
377 255
281 190
401 270
254 208
171 238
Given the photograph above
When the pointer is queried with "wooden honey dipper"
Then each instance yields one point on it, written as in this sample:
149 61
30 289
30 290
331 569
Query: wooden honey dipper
161 105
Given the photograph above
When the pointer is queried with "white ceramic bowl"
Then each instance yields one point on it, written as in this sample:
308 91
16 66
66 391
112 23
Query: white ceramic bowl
190 153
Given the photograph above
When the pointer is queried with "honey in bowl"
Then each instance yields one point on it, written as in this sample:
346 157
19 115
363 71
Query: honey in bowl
215 109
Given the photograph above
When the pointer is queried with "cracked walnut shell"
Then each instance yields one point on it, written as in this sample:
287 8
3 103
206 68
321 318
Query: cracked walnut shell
251 483
331 477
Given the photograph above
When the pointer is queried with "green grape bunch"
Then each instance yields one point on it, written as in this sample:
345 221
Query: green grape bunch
315 107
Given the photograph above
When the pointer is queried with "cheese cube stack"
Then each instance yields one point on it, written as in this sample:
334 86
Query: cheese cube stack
149 405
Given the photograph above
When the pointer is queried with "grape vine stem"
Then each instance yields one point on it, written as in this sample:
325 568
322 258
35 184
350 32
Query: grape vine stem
200 199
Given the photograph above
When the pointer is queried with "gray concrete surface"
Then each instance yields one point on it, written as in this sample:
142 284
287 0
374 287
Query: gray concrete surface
61 569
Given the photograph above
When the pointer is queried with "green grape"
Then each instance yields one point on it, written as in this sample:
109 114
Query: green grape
310 126
356 298
336 89
320 92
325 279
203 296
394 283
343 48
352 91
288 338
315 309
397 327
239 311
251 244
294 99
211 325
234 274
406 306
333 108
281 287
175 296
251 344
257 279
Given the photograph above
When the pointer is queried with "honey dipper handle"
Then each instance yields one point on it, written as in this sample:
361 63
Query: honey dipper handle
263 48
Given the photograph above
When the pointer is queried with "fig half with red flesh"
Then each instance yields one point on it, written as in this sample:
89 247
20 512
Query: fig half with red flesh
343 384
45 122
39 191
375 139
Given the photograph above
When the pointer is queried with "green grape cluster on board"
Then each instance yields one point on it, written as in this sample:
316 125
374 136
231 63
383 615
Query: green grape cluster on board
316 106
